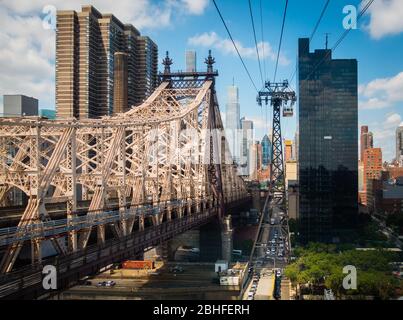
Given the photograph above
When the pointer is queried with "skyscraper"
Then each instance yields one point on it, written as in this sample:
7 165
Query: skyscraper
190 61
255 160
399 146
366 141
232 121
86 43
246 142
328 144
266 151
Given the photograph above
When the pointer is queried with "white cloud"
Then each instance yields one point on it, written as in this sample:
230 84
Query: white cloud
196 6
384 134
386 18
225 46
381 93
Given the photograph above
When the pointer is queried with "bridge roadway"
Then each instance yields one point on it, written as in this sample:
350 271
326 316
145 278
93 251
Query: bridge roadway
55 228
26 283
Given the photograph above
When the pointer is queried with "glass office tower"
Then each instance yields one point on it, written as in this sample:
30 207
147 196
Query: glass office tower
328 145
266 151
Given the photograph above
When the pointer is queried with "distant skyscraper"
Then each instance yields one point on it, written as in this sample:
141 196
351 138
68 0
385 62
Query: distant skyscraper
399 146
18 105
328 144
366 141
232 121
191 61
255 160
86 43
266 151
246 142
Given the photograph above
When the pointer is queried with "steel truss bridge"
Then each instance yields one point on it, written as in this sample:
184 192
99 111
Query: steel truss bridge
166 161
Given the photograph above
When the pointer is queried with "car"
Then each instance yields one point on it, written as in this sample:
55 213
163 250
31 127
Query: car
254 286
273 241
110 283
101 284
278 272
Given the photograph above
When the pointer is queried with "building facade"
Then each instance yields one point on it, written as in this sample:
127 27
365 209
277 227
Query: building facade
19 105
246 142
232 122
366 141
255 159
328 145
266 151
190 57
372 167
86 43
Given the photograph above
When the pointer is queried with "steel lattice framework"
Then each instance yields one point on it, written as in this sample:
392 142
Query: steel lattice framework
143 156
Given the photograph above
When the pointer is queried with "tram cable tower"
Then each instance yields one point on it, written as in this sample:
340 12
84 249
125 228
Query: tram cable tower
282 99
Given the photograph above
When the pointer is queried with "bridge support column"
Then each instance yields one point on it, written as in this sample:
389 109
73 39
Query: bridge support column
256 199
226 238
36 251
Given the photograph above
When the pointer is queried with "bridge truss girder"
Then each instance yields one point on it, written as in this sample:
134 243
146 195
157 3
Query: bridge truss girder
147 155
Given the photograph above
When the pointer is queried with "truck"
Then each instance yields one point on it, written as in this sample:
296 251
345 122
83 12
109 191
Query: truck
138 264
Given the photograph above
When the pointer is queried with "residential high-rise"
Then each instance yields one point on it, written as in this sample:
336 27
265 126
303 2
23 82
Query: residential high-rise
19 105
266 151
399 146
146 69
232 121
372 162
86 43
120 83
190 61
366 141
328 144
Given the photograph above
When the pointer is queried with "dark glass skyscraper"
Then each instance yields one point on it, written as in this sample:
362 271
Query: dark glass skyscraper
328 144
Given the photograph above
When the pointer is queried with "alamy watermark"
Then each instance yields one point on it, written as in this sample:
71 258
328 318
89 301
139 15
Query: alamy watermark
49 20
49 280
350 20
350 280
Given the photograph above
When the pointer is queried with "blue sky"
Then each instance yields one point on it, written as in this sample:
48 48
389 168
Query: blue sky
27 63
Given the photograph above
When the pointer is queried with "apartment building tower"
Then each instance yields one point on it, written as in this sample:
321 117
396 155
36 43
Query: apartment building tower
86 43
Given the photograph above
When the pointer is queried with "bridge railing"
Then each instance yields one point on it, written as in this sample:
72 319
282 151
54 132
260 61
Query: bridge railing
52 228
